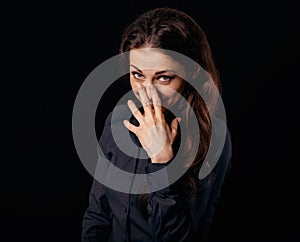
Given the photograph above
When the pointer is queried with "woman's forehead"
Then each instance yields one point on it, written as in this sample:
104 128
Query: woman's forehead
153 59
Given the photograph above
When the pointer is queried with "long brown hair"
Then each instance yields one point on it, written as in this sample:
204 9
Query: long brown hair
171 29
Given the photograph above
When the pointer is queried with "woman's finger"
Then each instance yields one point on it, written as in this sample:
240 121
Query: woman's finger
156 101
130 126
134 110
174 126
145 100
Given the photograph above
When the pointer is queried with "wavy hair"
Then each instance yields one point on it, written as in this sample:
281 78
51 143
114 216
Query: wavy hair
171 29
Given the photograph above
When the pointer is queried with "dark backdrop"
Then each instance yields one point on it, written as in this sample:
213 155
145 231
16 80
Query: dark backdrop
51 48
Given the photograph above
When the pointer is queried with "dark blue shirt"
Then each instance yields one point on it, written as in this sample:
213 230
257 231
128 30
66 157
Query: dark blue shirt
167 215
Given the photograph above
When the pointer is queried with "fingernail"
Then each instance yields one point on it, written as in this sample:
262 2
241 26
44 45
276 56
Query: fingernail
125 124
179 120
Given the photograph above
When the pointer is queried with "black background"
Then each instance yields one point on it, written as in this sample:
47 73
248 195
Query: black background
51 48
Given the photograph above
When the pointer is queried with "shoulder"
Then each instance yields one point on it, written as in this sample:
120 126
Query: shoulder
219 154
115 118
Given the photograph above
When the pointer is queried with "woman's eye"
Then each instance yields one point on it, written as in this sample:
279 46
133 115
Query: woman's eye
165 78
137 75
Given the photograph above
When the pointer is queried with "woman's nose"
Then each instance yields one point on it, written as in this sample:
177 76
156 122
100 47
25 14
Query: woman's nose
146 85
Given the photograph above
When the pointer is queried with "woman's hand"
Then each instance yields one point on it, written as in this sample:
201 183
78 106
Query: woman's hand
154 134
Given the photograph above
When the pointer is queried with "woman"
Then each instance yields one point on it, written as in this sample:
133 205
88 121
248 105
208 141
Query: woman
183 210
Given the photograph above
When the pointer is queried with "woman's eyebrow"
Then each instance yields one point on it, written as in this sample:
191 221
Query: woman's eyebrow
156 73
160 72
136 68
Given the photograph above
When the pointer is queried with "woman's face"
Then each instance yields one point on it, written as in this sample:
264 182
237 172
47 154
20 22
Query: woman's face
149 66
